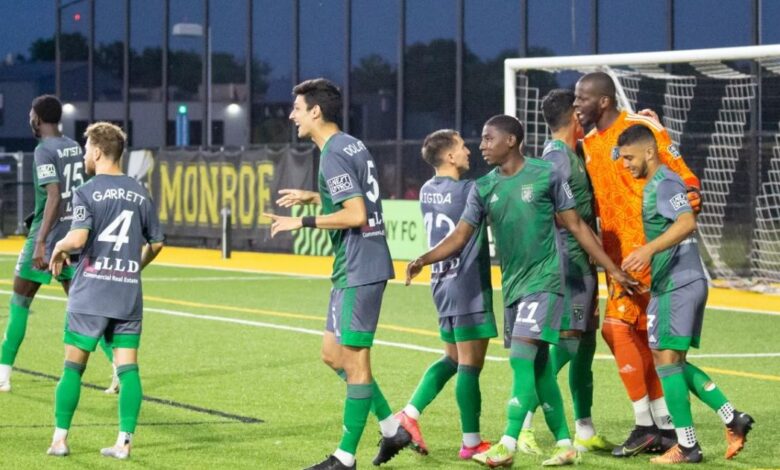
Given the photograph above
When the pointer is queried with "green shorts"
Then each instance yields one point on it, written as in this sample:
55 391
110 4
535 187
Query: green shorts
675 318
84 331
353 314
469 327
25 269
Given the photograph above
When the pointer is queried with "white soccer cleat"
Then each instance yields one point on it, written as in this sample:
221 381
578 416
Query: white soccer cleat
116 452
5 386
58 449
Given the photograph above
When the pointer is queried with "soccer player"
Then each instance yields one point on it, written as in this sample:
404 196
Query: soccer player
352 213
678 297
580 315
462 292
521 199
619 209
115 228
58 170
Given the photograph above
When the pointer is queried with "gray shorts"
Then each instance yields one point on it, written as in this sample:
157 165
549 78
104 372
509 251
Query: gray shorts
675 318
534 316
580 304
353 314
84 331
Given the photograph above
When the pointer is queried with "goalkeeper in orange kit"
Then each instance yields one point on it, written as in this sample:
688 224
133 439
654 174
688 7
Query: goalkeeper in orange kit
618 199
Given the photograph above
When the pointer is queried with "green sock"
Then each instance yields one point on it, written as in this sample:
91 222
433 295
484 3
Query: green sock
703 387
434 379
356 409
17 326
379 406
107 350
130 396
469 397
676 394
521 358
563 352
581 376
550 395
67 393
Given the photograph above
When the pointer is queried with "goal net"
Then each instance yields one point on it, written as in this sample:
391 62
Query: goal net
721 107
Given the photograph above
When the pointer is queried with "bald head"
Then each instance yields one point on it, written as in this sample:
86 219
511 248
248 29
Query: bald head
601 84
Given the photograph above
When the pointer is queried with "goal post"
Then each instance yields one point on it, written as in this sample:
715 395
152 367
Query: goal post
721 107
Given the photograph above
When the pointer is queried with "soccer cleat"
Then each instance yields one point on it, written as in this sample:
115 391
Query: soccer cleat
526 443
641 439
496 456
5 386
113 389
679 454
389 447
667 438
466 452
58 449
736 433
116 452
594 443
331 463
564 455
413 428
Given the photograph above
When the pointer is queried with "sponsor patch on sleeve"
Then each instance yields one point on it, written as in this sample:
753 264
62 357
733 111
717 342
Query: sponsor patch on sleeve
679 201
567 190
339 184
46 171
674 151
79 213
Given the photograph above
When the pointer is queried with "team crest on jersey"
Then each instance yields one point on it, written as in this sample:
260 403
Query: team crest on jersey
79 213
339 184
679 201
527 192
674 151
46 171
615 153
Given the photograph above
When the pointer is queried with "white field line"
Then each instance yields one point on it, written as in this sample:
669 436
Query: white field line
394 344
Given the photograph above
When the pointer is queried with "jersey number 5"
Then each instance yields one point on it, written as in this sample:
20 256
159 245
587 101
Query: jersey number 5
116 232
373 193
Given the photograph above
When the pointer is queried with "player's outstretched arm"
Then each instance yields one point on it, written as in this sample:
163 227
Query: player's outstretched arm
294 197
452 244
681 229
352 215
73 241
50 212
150 252
587 240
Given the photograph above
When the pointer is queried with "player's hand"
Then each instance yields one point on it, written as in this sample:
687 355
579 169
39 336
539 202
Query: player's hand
628 283
294 197
638 260
413 269
39 256
283 223
647 112
694 199
58 259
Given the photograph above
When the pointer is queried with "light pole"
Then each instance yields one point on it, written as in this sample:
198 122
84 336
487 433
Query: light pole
196 30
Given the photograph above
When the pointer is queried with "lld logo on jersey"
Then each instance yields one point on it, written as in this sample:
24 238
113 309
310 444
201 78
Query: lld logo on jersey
527 193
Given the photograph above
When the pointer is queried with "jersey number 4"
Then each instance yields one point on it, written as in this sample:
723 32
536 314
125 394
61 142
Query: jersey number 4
116 232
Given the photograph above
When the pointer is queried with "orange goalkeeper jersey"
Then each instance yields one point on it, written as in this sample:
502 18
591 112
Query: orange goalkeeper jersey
618 197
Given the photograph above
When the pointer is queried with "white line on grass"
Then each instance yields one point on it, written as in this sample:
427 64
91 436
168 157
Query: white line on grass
394 344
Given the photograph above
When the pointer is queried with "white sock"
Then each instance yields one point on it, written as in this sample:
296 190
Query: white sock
563 443
123 439
509 442
661 414
389 426
411 411
686 437
529 420
583 428
642 414
344 457
726 413
471 439
59 435
5 373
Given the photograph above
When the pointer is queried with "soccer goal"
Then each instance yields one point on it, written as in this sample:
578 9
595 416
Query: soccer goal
722 109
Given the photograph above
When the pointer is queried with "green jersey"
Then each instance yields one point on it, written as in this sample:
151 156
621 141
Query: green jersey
664 199
521 212
572 170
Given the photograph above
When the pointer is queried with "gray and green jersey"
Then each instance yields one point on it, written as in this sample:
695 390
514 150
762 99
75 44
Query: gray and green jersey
461 283
121 219
347 170
665 198
57 160
521 211
572 170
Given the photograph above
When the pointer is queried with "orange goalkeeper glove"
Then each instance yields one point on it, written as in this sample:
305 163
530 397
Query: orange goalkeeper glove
694 194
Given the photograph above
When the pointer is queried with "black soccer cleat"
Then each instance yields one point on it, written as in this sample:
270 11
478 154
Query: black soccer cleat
666 440
389 447
331 463
736 433
641 439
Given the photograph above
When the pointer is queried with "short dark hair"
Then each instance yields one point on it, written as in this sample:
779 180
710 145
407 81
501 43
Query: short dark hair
48 109
634 134
323 93
602 83
109 138
508 124
557 108
435 143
